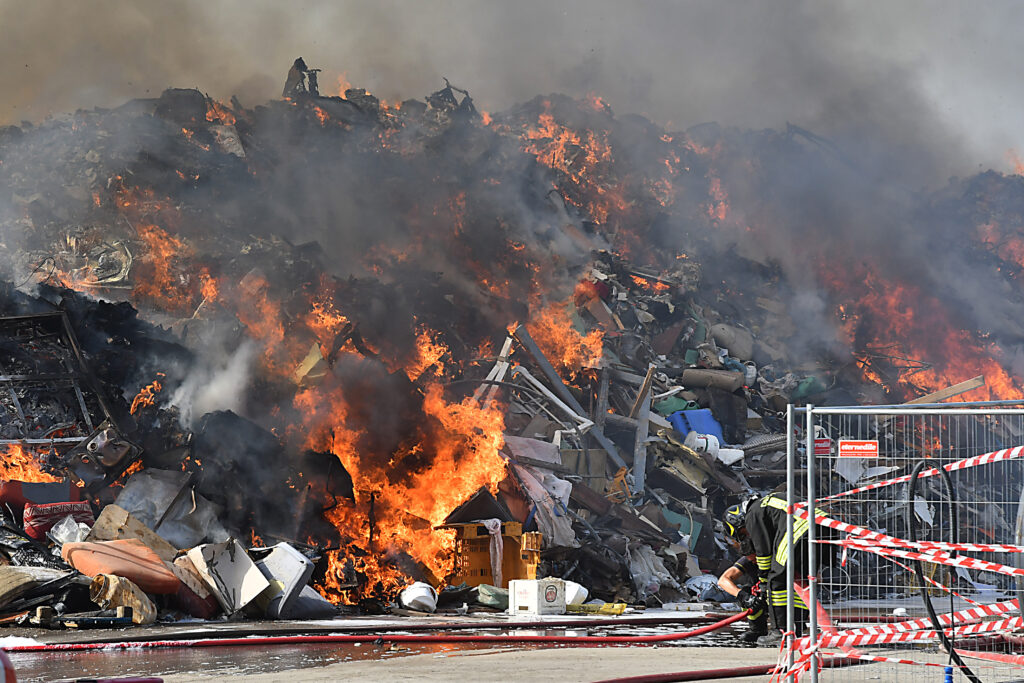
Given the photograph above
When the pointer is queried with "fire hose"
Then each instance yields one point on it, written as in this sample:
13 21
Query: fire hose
381 639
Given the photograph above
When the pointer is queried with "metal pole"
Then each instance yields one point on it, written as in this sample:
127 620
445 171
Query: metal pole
790 499
812 565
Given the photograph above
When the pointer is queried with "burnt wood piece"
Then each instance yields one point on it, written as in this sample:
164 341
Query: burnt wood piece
588 498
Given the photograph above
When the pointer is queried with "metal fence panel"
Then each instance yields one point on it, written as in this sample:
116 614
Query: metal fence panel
878 553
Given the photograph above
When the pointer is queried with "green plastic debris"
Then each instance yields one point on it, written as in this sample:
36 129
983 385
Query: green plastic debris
808 387
492 596
674 404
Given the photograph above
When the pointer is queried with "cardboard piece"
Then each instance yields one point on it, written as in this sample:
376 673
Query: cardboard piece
115 523
229 573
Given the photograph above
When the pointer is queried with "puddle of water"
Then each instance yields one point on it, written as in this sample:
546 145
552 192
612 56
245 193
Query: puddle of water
235 661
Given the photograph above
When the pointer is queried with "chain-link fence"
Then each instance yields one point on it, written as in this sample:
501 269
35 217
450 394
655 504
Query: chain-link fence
920 520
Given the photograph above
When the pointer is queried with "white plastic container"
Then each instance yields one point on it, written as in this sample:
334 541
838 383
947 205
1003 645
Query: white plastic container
575 594
288 571
702 443
419 596
536 596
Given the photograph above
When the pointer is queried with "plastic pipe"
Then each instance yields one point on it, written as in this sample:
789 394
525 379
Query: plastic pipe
379 638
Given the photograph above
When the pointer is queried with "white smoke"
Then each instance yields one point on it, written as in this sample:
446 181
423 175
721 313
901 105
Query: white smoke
215 384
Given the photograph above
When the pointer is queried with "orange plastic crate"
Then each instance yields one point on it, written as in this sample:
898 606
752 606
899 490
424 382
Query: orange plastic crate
520 556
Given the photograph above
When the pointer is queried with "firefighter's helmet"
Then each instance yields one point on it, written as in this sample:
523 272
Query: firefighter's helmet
736 518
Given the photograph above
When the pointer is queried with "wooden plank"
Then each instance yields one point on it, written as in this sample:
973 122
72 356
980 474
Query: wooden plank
542 464
640 440
950 392
599 309
588 498
645 390
116 523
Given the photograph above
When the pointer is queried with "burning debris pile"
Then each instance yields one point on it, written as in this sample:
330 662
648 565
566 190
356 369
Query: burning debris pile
395 342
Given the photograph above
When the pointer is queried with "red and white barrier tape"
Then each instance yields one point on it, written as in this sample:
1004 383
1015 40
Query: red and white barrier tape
7 669
973 461
934 558
962 617
877 658
866 639
989 656
862 534
890 547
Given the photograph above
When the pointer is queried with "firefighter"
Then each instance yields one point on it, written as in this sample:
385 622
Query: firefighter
762 523
740 581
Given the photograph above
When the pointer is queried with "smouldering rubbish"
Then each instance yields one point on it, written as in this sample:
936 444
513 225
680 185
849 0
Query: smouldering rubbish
520 355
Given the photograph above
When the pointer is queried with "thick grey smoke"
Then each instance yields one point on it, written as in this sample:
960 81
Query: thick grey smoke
937 84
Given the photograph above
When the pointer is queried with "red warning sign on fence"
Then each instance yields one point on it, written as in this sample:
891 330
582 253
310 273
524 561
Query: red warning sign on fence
849 448
823 446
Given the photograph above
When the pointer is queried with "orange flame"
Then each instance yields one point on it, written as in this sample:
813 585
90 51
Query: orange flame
462 441
910 324
17 464
208 286
568 350
158 278
650 285
218 113
1015 161
147 395
429 352
343 84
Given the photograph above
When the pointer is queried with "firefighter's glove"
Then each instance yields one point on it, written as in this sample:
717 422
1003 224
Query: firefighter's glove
748 600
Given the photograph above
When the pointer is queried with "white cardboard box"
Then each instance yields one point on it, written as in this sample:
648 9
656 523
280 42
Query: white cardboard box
536 596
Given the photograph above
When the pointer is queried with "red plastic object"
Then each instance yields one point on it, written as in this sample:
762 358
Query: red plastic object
40 518
130 558
195 606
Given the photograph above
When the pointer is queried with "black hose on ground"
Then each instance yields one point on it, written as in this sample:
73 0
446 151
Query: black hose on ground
919 566
719 674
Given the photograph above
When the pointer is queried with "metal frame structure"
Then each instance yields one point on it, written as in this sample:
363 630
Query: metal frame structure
22 333
924 418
